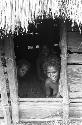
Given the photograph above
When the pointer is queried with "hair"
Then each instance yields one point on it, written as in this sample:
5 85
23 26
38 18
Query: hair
54 61
22 62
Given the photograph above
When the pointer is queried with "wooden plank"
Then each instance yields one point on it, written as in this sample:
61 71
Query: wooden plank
75 121
40 104
76 87
74 58
74 73
79 104
48 99
4 97
75 94
75 110
74 40
75 114
75 68
35 116
54 122
76 82
60 100
40 110
45 111
24 106
11 69
2 122
63 74
1 113
47 119
40 100
78 100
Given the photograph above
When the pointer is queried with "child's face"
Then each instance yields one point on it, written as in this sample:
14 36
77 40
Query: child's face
23 70
52 73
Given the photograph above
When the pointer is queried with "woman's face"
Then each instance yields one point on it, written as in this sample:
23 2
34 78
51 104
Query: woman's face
52 73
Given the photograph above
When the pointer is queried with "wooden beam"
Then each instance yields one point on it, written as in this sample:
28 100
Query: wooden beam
12 77
4 97
75 58
63 74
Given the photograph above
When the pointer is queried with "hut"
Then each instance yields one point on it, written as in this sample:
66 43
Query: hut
53 111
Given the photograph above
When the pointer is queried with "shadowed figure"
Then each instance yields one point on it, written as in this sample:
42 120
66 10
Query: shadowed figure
48 71
23 67
52 70
39 63
40 83
28 84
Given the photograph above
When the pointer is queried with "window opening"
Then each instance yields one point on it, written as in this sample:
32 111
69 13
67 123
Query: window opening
38 59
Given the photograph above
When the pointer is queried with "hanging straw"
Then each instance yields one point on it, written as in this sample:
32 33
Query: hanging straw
16 13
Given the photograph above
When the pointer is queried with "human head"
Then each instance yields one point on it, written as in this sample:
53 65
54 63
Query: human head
23 70
52 73
45 50
23 66
52 67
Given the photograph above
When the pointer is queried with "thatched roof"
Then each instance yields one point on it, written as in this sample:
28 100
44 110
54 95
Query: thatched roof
14 13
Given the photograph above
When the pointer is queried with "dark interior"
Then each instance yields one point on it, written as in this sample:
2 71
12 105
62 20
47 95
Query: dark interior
28 47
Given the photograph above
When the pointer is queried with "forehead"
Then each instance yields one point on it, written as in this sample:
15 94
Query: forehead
51 69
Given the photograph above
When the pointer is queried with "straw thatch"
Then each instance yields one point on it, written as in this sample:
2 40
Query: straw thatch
15 13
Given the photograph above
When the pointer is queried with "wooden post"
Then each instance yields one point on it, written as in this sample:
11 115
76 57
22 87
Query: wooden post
4 97
63 75
12 77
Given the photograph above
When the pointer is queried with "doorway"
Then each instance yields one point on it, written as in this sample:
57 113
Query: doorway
42 37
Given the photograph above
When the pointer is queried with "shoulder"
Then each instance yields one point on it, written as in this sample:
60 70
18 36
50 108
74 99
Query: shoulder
48 80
